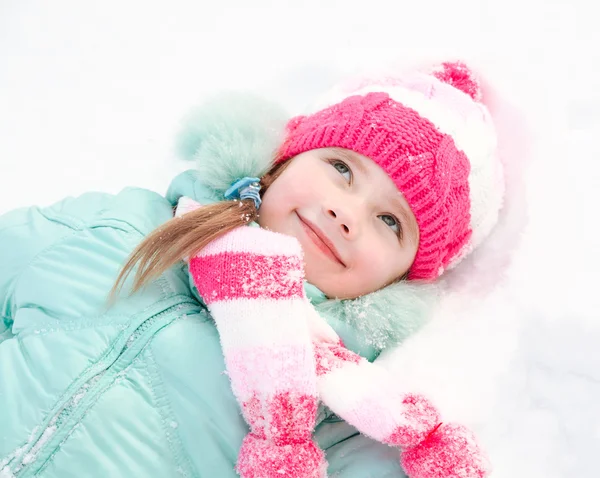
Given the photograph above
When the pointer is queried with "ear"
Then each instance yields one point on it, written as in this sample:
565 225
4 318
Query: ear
232 136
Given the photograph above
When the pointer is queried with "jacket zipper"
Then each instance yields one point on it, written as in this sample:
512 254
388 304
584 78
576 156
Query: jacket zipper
26 455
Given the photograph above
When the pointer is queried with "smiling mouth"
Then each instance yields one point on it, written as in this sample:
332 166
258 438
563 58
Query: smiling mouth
320 240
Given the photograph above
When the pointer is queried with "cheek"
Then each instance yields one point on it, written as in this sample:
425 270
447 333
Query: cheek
278 203
291 195
380 263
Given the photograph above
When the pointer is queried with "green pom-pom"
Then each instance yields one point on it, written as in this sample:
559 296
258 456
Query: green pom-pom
232 136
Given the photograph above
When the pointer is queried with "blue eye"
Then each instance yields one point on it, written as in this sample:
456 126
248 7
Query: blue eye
343 169
392 222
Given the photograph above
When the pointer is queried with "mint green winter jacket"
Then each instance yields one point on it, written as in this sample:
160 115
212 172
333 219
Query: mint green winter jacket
136 390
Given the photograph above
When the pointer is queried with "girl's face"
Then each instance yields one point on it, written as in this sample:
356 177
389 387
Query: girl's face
357 231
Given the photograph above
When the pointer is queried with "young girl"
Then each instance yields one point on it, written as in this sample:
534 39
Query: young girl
366 201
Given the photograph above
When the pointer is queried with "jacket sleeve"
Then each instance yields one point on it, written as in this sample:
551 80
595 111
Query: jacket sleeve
26 233
90 235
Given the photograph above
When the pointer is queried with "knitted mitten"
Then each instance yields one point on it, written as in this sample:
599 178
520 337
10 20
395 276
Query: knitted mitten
366 396
252 282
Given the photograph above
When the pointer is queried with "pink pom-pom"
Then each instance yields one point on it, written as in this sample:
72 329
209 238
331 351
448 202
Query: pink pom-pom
260 458
461 77
449 452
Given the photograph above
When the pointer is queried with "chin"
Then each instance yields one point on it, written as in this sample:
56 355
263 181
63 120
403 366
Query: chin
328 283
330 293
336 293
316 280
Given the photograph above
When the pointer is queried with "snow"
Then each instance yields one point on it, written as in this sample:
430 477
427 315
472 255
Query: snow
91 94
46 435
6 473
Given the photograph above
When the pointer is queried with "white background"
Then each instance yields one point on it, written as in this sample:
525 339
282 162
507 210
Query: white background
91 95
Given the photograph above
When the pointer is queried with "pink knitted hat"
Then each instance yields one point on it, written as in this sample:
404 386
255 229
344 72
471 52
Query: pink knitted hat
434 138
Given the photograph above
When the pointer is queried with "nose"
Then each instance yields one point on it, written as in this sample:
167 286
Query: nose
345 220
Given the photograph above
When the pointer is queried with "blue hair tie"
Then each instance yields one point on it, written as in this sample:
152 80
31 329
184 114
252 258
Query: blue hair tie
245 188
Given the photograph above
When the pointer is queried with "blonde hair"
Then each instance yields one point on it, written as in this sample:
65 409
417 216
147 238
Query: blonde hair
186 235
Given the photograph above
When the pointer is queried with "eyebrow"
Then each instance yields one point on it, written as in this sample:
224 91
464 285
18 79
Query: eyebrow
412 228
351 157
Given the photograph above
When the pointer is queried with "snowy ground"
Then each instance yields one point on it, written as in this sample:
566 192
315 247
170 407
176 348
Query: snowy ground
90 98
